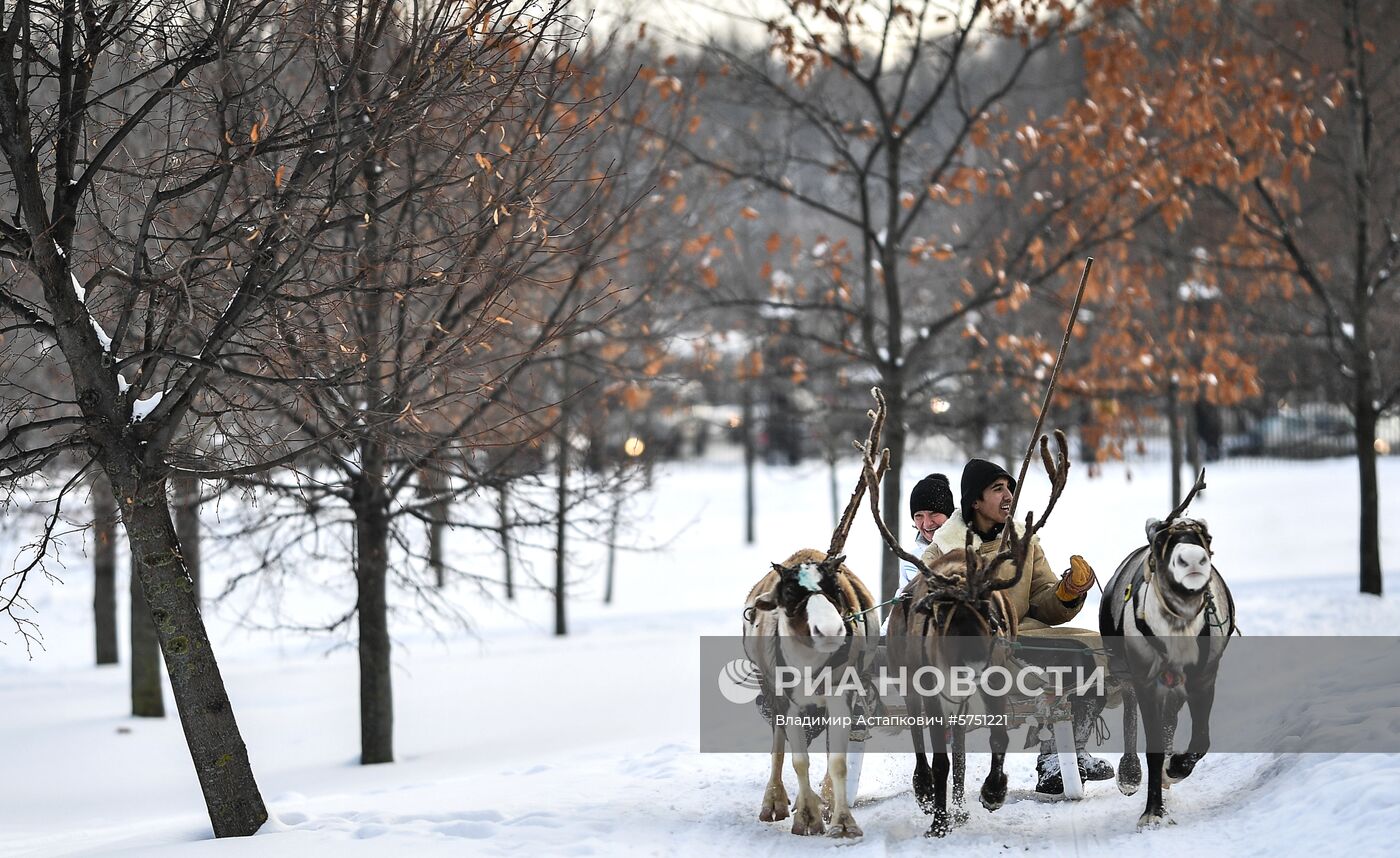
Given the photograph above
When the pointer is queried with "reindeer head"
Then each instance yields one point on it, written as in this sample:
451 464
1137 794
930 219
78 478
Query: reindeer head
1179 547
955 606
808 600
953 613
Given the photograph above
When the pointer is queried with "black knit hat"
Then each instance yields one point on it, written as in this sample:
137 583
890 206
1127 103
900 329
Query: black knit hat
976 476
932 493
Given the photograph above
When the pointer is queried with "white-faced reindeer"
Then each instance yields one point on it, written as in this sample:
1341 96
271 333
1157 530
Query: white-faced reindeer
811 612
955 613
1166 618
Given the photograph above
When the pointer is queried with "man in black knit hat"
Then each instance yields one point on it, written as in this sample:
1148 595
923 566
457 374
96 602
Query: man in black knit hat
1041 600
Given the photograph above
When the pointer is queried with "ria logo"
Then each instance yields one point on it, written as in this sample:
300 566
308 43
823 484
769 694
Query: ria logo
738 681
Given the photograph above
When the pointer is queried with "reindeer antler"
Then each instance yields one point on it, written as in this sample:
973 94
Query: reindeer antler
872 439
973 567
1190 496
1016 547
1057 469
873 474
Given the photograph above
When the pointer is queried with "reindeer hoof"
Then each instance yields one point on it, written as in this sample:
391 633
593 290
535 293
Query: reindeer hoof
1129 774
923 791
845 828
773 814
807 816
942 824
994 792
806 829
1181 766
775 805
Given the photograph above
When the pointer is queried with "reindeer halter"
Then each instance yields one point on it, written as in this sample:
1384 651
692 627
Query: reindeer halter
1175 525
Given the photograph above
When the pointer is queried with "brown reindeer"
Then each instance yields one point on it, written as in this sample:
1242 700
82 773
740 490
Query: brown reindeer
811 612
954 613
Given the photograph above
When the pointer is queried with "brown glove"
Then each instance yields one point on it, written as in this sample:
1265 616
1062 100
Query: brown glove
1077 581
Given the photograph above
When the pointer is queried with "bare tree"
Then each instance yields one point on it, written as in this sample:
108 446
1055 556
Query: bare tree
184 178
474 247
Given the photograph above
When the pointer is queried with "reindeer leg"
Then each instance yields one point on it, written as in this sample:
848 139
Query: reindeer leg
942 822
775 798
1199 701
1129 766
959 775
1169 719
807 812
1158 717
923 775
1168 741
825 791
843 824
994 787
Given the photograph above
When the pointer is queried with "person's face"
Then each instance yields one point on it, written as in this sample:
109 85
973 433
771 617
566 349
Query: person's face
928 522
995 504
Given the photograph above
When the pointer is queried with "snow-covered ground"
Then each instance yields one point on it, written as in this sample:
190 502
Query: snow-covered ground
511 741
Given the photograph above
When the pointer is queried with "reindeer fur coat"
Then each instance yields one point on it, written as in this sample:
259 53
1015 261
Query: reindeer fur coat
1033 597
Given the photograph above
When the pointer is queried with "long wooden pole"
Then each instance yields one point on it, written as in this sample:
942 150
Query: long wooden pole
1050 388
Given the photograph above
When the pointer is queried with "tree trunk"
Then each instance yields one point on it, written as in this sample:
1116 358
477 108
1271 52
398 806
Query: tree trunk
891 503
1366 418
146 700
612 543
186 489
435 531
432 485
104 567
1193 441
216 747
1174 437
503 513
371 578
746 421
833 490
561 505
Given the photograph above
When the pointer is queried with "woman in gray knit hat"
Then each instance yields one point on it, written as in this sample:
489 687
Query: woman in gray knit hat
930 504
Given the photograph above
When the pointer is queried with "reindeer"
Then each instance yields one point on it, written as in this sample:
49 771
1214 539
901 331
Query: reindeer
953 613
810 611
1166 618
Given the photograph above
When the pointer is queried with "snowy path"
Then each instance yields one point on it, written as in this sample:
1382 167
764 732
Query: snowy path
490 763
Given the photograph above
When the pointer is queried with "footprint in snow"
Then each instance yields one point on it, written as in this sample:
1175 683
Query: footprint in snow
538 819
471 830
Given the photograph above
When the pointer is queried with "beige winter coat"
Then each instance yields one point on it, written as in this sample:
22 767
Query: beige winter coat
1033 597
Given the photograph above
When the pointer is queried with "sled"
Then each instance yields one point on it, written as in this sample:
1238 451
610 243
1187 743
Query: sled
1046 714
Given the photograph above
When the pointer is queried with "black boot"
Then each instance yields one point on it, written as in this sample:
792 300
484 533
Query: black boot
1091 768
1047 772
1086 717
